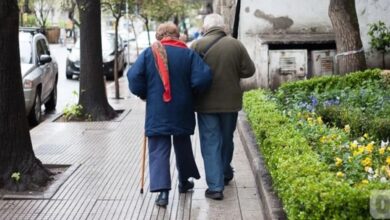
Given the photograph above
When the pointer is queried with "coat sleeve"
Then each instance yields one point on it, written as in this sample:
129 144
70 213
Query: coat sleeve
201 76
247 65
137 77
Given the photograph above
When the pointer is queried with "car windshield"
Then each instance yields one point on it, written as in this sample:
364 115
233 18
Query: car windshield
107 43
25 49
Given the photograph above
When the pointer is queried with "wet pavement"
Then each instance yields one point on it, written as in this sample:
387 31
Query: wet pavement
104 177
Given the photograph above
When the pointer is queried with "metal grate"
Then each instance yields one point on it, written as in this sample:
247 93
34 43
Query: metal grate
288 65
327 65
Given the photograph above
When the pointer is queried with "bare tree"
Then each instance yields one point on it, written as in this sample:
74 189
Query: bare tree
116 7
343 16
42 11
19 168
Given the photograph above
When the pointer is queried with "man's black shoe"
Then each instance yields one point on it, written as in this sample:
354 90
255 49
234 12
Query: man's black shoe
227 180
162 199
185 186
216 195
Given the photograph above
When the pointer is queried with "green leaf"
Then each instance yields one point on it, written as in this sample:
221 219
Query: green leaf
15 176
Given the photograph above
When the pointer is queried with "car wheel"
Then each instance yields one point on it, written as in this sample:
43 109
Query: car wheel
120 72
110 77
35 114
69 76
52 103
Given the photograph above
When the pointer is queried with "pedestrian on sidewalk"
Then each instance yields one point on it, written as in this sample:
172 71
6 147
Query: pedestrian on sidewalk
167 75
218 107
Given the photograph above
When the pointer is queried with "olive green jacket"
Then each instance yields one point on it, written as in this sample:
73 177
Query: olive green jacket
229 62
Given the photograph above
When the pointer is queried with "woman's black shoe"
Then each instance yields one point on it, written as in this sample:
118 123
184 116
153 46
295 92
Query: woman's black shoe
227 180
162 199
216 195
185 186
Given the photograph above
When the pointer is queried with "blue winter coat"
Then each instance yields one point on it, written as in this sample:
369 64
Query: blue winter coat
189 75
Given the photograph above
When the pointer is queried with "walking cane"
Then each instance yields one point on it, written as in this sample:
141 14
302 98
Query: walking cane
143 165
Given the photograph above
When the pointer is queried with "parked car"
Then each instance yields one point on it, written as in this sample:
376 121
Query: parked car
39 73
143 43
108 47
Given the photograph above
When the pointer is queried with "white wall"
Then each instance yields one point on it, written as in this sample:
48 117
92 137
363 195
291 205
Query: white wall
369 12
262 17
281 16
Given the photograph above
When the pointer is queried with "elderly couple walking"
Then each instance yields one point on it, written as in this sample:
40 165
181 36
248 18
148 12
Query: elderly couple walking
175 81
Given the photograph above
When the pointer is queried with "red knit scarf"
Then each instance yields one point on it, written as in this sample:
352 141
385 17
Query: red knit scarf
161 61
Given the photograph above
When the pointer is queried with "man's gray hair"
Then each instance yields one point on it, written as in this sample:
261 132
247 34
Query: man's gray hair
213 20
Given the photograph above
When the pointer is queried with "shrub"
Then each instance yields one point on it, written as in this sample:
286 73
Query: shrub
302 177
360 99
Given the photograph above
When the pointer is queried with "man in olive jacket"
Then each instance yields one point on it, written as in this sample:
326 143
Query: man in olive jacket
218 107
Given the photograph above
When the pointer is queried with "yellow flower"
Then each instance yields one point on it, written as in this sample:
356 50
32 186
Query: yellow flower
340 174
365 181
347 128
367 162
323 139
359 151
382 150
310 121
365 135
319 120
339 161
388 171
388 160
370 147
354 145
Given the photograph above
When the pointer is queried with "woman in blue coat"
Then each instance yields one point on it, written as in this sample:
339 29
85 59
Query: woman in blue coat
168 75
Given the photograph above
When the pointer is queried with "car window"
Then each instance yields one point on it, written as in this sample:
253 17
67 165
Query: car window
107 43
25 51
45 46
40 49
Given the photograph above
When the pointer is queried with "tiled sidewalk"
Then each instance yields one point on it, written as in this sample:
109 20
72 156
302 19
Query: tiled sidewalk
105 184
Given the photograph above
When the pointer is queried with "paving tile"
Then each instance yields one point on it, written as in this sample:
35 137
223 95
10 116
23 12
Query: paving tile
107 183
252 215
211 209
247 193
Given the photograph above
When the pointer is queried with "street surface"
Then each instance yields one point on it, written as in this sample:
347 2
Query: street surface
65 86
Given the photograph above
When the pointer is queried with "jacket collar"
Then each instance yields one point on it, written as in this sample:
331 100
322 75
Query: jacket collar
215 31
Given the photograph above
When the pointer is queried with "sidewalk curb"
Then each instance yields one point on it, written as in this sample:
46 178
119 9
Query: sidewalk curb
272 206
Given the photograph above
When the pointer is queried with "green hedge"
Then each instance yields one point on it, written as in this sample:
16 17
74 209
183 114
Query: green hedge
306 186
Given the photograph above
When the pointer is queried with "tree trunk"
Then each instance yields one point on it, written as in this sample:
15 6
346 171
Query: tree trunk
343 16
93 97
16 153
147 29
116 80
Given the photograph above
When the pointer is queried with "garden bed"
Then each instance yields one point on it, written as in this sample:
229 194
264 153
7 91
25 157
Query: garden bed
319 170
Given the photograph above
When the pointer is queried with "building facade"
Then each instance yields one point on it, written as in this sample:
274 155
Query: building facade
292 40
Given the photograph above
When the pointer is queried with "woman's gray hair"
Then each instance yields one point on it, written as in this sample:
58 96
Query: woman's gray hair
213 20
167 29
